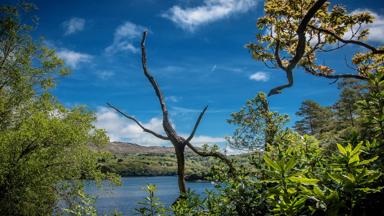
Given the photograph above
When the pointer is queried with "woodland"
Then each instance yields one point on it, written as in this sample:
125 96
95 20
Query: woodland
329 163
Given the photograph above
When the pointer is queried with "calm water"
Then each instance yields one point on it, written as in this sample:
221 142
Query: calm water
125 197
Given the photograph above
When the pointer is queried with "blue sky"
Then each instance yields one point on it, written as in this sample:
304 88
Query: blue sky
195 51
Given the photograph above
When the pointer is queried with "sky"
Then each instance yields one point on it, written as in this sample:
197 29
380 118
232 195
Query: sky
196 52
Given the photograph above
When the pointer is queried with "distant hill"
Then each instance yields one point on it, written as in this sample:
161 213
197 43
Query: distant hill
135 160
131 148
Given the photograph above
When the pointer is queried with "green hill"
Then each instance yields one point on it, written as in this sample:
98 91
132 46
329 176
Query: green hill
135 160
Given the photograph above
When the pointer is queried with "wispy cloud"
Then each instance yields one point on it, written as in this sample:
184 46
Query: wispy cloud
259 76
213 68
211 11
104 74
376 29
201 140
73 58
123 38
182 110
173 99
73 25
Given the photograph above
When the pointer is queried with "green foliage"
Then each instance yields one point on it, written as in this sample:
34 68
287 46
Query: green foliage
338 170
297 178
154 164
190 205
372 106
151 204
27 67
346 107
42 143
298 175
337 123
256 124
84 207
316 119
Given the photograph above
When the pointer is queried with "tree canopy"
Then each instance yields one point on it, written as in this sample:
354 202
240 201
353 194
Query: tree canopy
294 32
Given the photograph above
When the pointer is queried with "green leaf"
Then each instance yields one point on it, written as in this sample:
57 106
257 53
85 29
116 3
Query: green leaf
357 149
271 163
335 178
291 163
303 180
348 148
300 202
354 159
341 149
364 162
292 190
318 192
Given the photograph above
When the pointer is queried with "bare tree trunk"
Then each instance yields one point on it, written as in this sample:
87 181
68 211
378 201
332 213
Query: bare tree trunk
181 169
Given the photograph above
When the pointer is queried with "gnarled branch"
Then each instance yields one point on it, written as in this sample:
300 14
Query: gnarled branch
277 55
277 90
300 48
138 123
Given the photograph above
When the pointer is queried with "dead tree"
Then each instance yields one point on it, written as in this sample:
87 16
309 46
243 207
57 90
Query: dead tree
178 142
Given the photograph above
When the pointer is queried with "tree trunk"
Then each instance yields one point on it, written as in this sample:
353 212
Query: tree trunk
181 168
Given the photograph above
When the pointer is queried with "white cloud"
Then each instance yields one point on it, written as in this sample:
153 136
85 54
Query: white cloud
376 29
73 25
201 140
259 76
211 10
72 58
123 38
119 128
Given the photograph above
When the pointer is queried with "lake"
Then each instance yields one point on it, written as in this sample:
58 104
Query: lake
124 198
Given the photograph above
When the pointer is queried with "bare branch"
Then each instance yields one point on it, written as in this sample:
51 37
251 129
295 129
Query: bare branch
218 155
138 123
356 42
196 124
150 78
169 130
